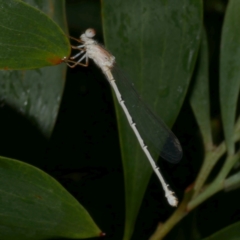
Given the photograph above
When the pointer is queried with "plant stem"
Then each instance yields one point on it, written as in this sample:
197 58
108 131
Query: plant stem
163 229
216 185
209 162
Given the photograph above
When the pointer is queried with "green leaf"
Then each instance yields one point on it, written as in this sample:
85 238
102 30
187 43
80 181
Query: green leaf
33 205
156 43
36 94
199 99
29 39
230 71
230 233
232 182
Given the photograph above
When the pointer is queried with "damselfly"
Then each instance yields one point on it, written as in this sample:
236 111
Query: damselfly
141 119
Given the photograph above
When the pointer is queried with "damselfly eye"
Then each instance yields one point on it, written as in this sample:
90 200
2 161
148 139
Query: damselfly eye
90 32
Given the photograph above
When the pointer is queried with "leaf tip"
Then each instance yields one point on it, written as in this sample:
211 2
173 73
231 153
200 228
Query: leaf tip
102 234
55 60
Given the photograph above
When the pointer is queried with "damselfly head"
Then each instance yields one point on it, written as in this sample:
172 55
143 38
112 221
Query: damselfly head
90 32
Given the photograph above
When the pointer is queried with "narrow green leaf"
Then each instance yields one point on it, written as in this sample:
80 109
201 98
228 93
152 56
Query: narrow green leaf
29 39
232 182
231 233
33 205
37 93
199 99
156 43
230 71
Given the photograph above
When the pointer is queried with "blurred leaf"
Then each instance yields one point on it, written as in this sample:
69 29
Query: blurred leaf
230 233
199 99
37 93
156 43
230 71
33 205
29 39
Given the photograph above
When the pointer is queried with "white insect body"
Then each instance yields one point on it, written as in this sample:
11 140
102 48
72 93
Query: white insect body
89 48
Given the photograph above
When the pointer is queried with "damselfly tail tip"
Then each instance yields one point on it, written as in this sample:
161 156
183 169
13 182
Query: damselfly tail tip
172 200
